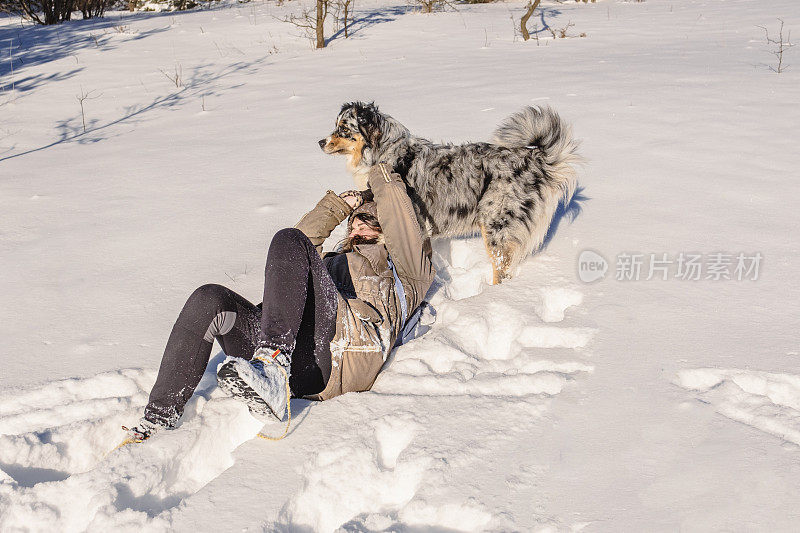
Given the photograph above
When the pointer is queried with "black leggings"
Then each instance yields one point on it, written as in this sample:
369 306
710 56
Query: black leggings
298 318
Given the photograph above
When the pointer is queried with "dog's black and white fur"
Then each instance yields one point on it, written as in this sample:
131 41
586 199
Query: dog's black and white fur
508 189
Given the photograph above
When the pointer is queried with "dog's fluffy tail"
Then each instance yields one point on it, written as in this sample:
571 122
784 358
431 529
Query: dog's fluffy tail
541 128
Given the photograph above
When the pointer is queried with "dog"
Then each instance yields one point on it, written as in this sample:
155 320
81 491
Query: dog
508 189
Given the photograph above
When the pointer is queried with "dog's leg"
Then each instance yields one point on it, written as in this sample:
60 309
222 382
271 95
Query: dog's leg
506 258
502 256
494 257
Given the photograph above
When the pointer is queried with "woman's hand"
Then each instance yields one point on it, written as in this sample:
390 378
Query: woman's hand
353 198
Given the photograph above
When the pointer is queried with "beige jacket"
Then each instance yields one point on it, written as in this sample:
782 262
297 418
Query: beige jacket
367 327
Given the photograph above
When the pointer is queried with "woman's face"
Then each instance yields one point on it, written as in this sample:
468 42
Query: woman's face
362 229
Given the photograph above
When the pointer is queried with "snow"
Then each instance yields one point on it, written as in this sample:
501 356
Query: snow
764 400
542 404
481 346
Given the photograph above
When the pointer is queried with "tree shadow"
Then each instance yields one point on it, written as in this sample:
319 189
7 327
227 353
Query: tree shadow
198 84
371 18
31 45
549 11
28 83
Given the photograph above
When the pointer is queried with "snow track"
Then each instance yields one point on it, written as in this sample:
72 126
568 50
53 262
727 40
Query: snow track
480 358
766 401
484 345
59 474
482 352
540 404
386 475
50 433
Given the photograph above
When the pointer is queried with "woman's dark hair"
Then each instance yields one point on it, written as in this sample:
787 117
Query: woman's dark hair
369 220
346 245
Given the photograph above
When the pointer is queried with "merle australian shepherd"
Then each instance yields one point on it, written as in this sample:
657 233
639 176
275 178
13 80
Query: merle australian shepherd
508 189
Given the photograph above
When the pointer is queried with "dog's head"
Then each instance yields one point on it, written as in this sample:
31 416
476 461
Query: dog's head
358 129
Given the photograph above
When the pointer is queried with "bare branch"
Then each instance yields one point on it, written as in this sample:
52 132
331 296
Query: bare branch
176 76
780 44
313 25
429 6
523 23
82 98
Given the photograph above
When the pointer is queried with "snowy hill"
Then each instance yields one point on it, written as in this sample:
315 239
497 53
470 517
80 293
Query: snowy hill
545 403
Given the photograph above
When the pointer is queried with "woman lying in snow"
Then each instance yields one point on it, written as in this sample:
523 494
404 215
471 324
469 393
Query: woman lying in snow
326 324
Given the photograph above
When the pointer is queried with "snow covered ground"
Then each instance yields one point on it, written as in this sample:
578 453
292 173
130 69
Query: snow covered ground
545 403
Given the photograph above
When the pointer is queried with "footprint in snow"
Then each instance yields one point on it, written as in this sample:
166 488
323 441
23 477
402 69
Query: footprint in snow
67 425
489 342
382 487
56 472
554 301
764 400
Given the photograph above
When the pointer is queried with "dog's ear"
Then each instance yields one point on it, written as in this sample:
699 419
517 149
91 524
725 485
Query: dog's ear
346 106
369 124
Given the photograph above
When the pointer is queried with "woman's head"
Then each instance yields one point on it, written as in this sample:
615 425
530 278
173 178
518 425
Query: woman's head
363 227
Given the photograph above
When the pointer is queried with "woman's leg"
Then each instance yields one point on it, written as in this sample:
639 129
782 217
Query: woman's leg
212 311
299 313
299 318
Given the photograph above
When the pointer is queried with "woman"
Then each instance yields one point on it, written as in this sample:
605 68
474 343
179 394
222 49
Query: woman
325 326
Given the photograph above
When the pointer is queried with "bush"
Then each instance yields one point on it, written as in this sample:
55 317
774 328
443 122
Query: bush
48 12
44 12
162 5
92 8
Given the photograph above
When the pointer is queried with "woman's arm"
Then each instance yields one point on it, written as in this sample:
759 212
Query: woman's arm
318 223
409 248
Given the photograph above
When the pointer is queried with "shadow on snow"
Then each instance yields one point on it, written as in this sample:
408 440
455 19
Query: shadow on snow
198 84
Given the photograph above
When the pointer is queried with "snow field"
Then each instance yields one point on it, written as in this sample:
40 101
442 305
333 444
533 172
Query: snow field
58 471
483 345
63 474
764 400
472 358
378 481
525 423
389 472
